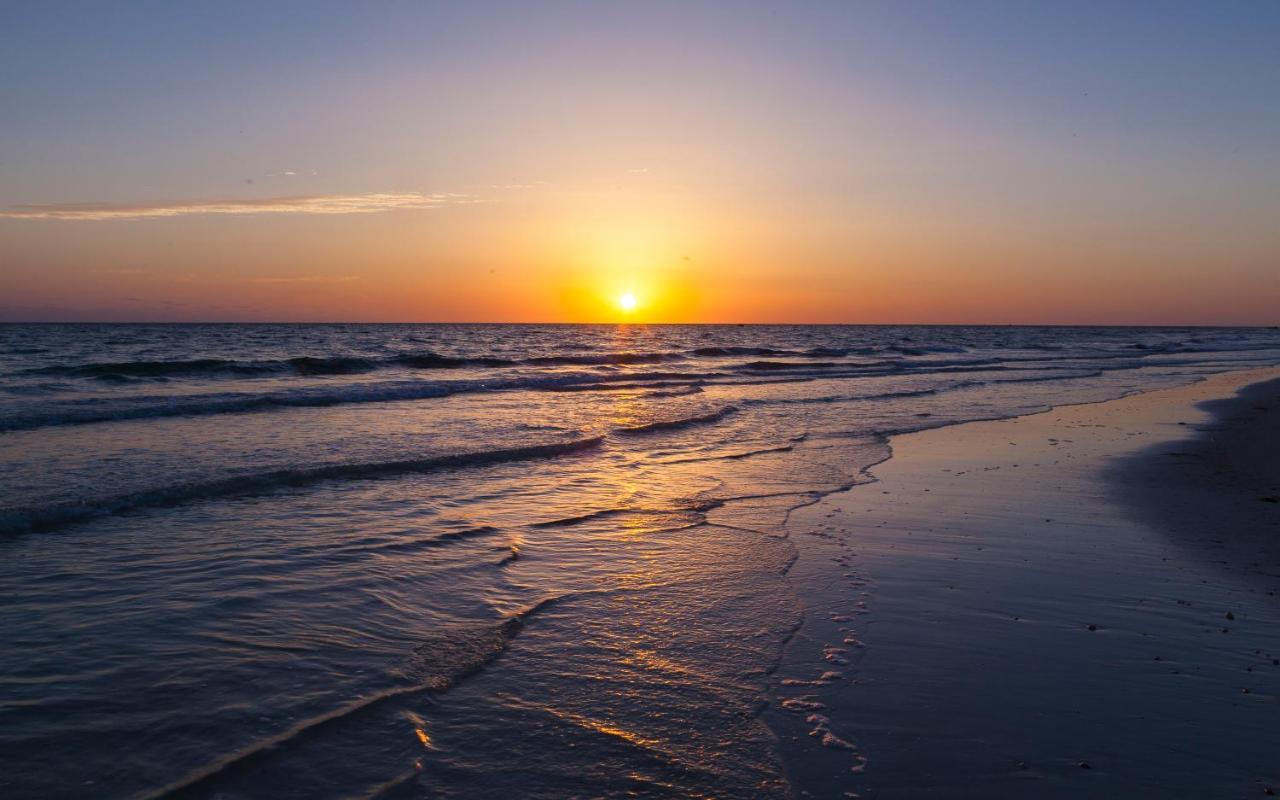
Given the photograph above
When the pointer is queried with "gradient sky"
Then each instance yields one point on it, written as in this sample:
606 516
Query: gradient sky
1111 162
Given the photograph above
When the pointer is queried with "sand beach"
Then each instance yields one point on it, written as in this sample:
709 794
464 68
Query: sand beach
1078 603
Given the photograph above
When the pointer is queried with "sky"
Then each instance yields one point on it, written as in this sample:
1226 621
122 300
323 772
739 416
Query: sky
850 162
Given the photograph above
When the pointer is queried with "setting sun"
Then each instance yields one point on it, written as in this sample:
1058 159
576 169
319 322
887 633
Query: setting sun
627 301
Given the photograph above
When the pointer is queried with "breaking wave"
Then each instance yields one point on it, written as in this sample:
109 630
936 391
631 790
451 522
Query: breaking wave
21 520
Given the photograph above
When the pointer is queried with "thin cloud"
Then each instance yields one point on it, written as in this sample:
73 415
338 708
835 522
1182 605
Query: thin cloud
306 279
312 204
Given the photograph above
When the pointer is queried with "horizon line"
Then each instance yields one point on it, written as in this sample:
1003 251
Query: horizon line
665 324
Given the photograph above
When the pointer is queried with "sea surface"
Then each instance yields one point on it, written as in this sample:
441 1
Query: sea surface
454 561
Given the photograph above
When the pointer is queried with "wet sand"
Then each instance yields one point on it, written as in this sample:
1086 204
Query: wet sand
1080 603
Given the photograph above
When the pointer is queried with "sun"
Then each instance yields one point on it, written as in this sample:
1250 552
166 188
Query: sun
627 301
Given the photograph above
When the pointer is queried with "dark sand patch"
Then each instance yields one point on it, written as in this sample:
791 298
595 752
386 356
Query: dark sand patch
1216 489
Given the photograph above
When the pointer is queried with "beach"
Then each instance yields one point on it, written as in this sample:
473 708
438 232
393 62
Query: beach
1076 603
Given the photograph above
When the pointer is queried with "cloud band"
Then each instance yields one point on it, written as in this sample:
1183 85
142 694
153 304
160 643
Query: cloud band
312 204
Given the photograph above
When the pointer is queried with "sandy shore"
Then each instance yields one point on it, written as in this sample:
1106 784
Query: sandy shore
1081 603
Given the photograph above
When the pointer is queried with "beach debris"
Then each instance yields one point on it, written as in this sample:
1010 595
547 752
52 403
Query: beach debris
801 704
834 654
822 732
1083 765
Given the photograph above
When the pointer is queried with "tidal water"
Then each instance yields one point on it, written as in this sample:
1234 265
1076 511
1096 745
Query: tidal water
454 561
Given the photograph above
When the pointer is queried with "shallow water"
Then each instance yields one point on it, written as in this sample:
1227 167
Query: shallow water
453 560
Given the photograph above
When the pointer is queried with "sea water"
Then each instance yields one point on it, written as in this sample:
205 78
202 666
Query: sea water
454 560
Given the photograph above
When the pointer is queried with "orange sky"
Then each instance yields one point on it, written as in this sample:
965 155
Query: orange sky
808 165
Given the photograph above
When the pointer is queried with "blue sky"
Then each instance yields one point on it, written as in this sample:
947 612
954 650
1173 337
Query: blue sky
837 139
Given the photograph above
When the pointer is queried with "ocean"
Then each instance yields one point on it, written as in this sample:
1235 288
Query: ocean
455 561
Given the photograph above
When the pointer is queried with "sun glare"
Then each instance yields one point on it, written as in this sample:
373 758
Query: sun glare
627 301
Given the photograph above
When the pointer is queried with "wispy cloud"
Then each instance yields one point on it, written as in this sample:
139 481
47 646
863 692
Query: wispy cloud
312 204
306 279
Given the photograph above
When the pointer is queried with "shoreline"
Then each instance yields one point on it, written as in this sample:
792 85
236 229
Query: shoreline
1003 611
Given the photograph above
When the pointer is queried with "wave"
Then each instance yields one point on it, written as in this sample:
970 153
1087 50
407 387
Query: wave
436 664
886 366
714 352
152 369
95 410
429 360
328 365
682 392
377 544
908 393
425 360
1090 373
48 517
769 366
738 455
656 382
578 519
849 398
91 410
300 365
346 363
337 365
628 383
604 359
349 364
812 352
914 350
435 361
675 424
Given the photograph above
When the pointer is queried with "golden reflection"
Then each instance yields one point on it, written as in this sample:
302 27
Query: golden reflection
423 737
650 660
599 726
643 571
667 751
419 728
630 409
